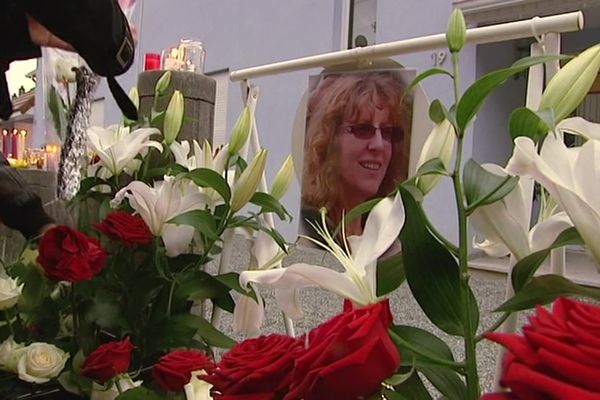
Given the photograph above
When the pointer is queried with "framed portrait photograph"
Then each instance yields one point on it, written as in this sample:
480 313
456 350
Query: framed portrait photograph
357 144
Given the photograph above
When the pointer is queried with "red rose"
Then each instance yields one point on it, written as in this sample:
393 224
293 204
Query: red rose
557 356
68 255
258 368
125 227
174 370
347 357
108 360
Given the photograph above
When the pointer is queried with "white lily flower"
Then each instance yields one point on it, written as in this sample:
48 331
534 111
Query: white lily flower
202 157
197 389
117 147
570 176
505 223
248 315
358 281
157 205
579 126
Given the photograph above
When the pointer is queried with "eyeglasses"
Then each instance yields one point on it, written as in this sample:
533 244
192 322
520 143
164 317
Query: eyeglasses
366 132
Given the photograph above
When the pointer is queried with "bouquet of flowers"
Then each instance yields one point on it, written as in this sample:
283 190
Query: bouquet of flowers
97 305
105 310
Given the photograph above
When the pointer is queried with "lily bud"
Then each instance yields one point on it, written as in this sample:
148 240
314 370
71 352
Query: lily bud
570 85
135 97
439 144
456 34
163 83
241 131
283 179
245 187
173 117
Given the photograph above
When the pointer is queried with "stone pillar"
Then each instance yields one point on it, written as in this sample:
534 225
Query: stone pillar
199 95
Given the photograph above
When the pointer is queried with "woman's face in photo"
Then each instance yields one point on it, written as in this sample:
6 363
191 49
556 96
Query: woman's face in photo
364 153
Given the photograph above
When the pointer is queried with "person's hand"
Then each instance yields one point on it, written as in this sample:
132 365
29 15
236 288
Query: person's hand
41 36
134 33
20 207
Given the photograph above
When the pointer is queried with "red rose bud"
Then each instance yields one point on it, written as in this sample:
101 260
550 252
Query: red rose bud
557 356
258 368
108 361
66 254
127 228
347 357
174 370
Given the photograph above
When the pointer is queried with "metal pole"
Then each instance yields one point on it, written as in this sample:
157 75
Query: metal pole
489 34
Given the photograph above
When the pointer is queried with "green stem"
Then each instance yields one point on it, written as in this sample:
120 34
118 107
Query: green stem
74 315
472 378
10 327
171 291
456 81
469 329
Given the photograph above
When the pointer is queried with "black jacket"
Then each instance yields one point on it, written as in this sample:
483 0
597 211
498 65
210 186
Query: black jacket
97 29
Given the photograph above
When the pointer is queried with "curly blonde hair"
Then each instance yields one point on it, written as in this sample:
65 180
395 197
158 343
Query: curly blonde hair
351 96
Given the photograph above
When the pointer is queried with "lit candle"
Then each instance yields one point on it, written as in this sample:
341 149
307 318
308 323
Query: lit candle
14 145
5 142
21 144
52 154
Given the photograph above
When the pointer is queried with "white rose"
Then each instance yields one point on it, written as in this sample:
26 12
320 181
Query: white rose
6 349
9 292
100 392
197 389
39 362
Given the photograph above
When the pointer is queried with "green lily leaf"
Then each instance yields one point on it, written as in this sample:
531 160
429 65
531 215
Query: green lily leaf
473 98
421 348
426 74
171 169
179 331
276 236
437 111
435 166
447 382
483 187
533 124
201 285
432 272
269 203
201 220
58 110
411 389
398 379
89 183
205 177
232 281
526 268
356 212
243 222
390 275
545 289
